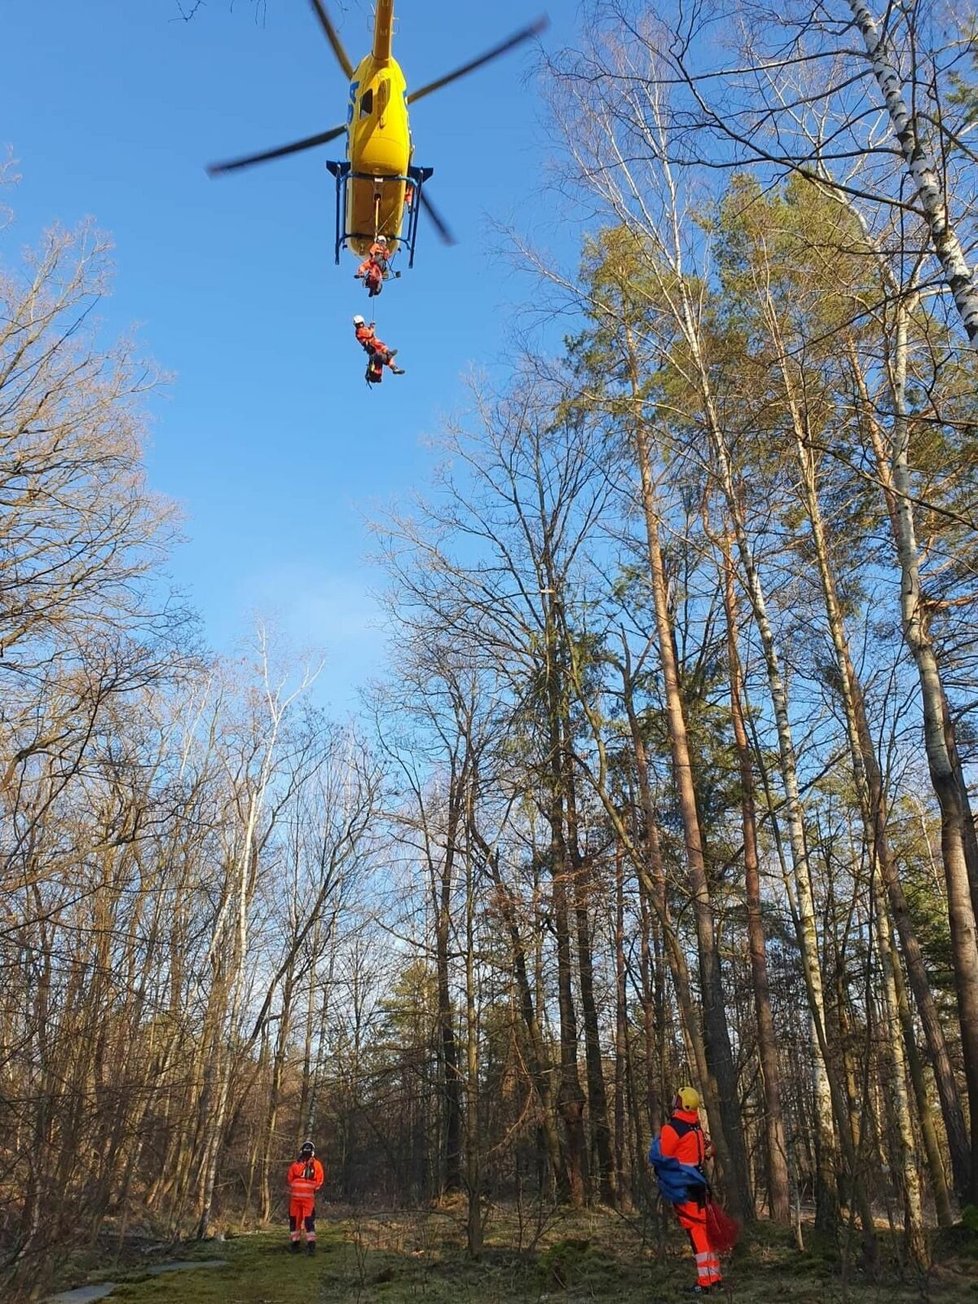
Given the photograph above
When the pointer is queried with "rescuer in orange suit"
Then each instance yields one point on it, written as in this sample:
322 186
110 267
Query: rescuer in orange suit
683 1140
373 269
304 1179
372 275
377 351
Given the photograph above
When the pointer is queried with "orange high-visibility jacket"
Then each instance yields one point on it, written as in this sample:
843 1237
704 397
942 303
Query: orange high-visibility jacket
683 1139
367 336
304 1178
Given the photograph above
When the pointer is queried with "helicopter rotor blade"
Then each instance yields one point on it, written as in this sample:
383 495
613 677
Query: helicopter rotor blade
439 223
218 169
516 39
333 36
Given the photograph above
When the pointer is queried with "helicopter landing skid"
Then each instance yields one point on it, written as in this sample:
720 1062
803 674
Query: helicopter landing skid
342 171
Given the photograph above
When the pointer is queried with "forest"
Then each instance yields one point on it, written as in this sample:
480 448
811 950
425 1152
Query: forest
671 776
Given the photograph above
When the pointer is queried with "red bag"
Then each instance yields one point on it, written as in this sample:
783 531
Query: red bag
723 1231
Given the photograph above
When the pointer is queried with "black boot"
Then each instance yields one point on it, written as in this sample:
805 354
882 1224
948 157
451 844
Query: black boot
310 1247
295 1247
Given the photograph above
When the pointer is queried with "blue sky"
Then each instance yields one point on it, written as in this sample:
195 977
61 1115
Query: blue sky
267 436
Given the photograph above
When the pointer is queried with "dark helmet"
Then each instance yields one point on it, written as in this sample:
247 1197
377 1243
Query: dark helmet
307 1150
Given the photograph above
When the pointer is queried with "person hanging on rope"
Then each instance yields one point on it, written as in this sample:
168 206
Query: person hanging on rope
378 353
373 270
304 1179
677 1155
372 275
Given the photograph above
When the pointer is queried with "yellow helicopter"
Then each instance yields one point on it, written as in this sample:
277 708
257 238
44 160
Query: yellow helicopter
377 183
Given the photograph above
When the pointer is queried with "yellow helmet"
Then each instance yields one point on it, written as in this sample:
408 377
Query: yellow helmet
687 1098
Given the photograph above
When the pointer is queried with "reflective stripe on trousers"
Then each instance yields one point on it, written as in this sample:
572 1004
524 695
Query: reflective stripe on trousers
692 1218
707 1269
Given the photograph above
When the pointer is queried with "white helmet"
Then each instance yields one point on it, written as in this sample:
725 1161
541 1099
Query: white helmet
358 320
382 239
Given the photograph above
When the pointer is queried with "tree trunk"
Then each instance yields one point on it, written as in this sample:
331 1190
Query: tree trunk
652 880
728 1129
898 1098
925 1113
597 1096
945 1080
623 1064
924 172
452 1078
535 1052
829 1113
570 1095
957 823
274 1097
775 1151
473 1112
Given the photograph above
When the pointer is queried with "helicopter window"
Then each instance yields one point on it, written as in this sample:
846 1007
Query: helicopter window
366 103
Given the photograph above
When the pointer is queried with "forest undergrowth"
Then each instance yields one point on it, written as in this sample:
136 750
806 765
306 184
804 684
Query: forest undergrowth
570 1257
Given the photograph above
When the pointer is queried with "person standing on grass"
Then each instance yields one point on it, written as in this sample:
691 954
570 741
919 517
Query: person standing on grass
304 1179
677 1155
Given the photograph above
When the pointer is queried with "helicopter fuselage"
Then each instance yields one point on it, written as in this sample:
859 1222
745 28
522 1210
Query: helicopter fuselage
378 143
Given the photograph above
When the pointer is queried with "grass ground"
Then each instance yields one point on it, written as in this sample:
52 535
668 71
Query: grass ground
401 1257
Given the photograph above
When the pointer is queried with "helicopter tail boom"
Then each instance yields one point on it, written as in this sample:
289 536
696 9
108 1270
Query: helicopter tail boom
383 31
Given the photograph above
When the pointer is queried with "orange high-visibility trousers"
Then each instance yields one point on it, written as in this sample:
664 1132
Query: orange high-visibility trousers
302 1214
692 1218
